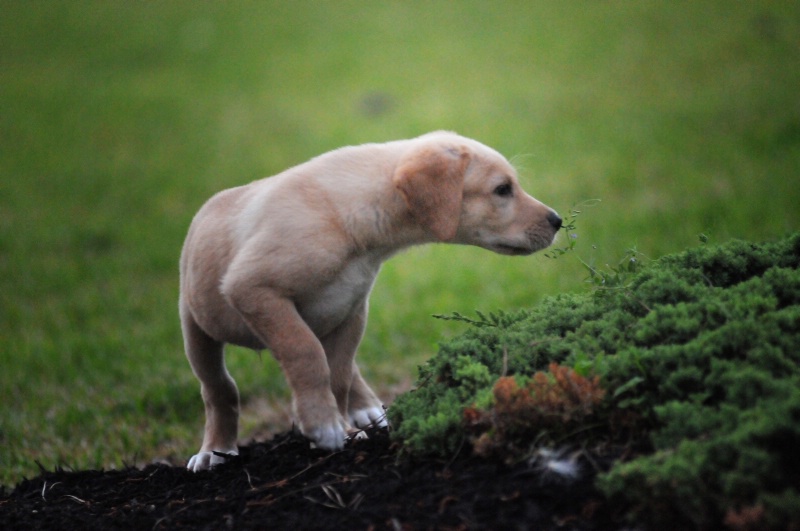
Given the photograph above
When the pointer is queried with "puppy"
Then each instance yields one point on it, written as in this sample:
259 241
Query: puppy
287 264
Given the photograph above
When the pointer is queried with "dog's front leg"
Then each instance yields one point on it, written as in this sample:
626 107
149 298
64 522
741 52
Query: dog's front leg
276 322
357 402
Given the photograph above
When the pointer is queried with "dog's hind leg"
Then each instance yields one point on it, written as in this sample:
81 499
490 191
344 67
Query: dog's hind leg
220 395
365 408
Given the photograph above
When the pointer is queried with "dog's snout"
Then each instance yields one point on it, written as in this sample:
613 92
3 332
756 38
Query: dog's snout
554 220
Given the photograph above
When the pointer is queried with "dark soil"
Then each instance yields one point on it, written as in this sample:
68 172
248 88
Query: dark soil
284 484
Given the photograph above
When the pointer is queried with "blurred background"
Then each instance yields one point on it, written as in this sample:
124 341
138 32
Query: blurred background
119 119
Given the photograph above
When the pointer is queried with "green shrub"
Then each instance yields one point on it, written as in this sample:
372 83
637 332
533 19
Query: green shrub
699 357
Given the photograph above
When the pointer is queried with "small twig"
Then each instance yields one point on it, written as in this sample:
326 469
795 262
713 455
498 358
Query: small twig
457 452
75 498
355 503
336 500
423 383
136 480
181 510
628 295
284 495
348 478
541 341
44 488
285 481
334 496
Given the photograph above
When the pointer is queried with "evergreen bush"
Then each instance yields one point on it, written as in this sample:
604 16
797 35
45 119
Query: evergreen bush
696 357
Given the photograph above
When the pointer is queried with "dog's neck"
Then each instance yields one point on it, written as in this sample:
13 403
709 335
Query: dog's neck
387 228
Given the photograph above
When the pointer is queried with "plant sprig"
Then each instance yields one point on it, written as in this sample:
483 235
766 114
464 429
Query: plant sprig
569 227
501 319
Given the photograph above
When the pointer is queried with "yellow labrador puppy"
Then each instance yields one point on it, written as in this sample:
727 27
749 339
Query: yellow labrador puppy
287 263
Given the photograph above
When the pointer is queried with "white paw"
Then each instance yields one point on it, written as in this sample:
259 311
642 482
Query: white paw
371 416
357 435
207 460
327 436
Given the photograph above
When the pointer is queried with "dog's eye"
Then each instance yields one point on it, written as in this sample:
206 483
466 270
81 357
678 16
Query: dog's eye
504 190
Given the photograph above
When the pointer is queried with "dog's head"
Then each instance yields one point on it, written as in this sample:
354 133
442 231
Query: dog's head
464 192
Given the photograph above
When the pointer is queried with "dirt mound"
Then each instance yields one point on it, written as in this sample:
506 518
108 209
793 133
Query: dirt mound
285 484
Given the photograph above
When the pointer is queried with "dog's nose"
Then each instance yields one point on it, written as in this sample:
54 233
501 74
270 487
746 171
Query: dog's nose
554 220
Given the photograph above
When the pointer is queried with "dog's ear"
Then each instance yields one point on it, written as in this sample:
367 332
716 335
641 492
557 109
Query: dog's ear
431 180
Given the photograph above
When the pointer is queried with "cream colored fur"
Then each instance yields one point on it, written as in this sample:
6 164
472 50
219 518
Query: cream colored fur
287 264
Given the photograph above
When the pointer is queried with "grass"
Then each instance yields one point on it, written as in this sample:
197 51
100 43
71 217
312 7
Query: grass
119 119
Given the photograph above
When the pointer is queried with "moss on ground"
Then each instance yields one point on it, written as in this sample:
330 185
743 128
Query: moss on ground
698 357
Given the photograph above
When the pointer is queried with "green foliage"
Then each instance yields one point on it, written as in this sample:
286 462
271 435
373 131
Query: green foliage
700 351
614 277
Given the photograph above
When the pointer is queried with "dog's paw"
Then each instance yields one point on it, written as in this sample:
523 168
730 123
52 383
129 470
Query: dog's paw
208 460
328 436
370 416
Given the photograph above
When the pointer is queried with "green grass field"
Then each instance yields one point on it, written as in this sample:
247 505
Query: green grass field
118 119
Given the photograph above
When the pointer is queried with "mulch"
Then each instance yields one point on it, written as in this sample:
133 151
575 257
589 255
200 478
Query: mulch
285 484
